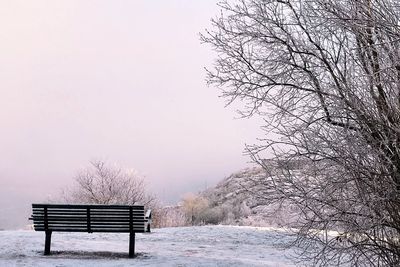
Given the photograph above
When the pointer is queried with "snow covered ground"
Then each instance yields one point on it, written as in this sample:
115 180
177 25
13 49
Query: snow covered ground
182 246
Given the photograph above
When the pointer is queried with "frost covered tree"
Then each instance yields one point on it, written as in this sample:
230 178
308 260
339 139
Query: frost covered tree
100 183
325 76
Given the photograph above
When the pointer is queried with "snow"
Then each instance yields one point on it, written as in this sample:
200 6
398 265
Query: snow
181 246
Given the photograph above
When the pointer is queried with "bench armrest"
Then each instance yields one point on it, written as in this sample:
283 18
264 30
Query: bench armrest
147 218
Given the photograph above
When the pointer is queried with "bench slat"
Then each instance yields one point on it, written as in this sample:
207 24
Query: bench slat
84 219
93 224
141 230
50 215
111 224
50 227
91 206
85 215
94 210
50 212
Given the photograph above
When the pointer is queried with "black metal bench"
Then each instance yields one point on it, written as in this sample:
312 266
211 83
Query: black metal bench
92 219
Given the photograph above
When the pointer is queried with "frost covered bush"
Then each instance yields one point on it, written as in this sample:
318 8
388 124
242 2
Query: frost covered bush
194 206
172 216
208 209
213 215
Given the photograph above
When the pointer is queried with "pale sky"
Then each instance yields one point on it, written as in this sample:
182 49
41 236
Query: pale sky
117 80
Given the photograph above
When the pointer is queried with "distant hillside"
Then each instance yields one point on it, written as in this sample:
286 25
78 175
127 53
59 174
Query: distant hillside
240 199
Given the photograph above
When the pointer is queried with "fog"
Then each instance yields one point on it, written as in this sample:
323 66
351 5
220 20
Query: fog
122 81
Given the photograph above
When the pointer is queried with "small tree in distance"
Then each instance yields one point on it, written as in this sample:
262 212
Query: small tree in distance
100 183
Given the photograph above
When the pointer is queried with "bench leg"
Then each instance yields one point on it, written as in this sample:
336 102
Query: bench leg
131 245
47 243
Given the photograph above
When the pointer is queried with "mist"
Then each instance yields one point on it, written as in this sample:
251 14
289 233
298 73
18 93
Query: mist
121 81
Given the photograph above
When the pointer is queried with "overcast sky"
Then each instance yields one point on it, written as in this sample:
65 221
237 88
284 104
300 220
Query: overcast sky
122 81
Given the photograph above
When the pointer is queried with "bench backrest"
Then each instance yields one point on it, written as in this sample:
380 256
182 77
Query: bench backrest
89 218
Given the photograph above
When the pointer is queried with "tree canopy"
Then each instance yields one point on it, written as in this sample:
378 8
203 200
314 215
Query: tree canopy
325 75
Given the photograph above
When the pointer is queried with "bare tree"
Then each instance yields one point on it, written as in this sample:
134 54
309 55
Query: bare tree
103 184
325 75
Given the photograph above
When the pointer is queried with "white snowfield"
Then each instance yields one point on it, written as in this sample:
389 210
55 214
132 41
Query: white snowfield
182 246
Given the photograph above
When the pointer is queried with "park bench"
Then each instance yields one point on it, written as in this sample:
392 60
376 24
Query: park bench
92 219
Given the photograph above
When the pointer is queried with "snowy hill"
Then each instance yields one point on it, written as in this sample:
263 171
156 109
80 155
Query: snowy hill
241 195
180 246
